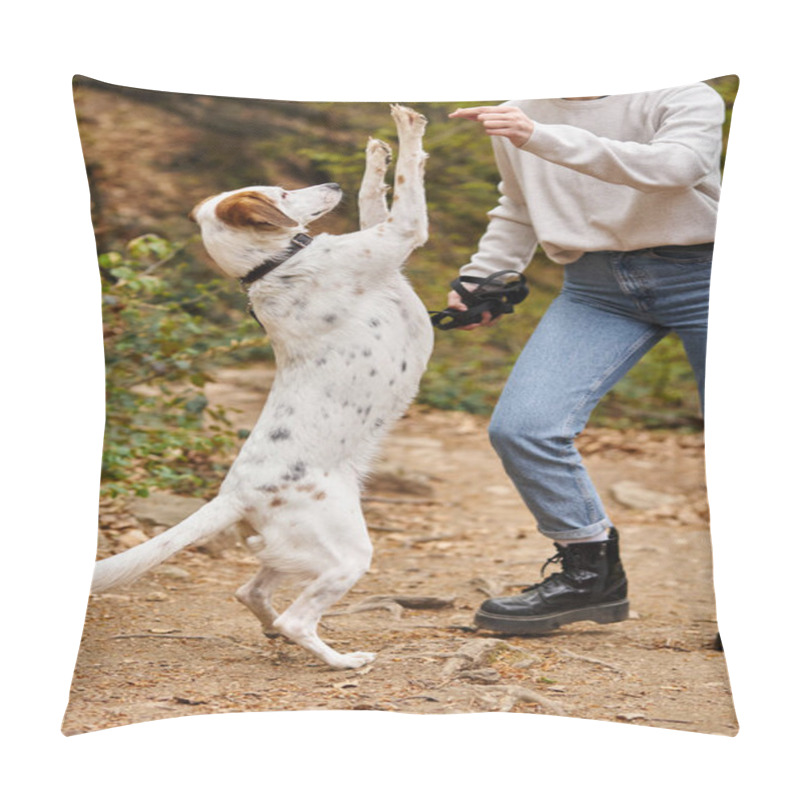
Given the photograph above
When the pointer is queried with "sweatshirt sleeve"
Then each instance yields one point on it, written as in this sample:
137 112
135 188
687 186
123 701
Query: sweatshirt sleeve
509 241
684 149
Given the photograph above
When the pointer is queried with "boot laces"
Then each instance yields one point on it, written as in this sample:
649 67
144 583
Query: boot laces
558 558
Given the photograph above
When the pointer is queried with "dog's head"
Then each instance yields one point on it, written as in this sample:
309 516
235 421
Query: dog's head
244 227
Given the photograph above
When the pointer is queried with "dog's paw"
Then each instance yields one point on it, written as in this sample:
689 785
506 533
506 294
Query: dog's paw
379 153
353 660
407 119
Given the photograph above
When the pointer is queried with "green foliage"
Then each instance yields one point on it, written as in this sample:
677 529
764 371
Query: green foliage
166 324
160 341
727 88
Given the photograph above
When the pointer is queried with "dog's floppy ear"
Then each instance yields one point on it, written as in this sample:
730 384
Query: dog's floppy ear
252 209
193 213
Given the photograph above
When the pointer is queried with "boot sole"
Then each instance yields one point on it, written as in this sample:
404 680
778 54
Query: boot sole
602 615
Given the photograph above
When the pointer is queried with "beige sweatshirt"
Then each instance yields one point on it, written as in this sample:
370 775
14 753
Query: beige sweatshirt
622 172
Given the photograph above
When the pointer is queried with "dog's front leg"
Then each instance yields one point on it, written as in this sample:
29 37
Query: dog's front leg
409 212
372 208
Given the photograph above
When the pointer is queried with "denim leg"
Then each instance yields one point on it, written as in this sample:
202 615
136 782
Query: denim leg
576 354
694 343
613 309
682 305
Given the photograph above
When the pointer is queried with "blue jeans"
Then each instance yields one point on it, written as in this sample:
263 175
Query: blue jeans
614 307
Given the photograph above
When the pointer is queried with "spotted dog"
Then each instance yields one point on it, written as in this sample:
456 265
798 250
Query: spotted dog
351 342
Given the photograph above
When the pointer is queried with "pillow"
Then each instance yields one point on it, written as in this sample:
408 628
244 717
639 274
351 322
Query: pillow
189 369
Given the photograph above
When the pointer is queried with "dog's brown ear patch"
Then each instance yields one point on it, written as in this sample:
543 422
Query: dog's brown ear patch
252 209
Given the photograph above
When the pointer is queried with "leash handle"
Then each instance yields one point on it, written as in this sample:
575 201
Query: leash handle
495 293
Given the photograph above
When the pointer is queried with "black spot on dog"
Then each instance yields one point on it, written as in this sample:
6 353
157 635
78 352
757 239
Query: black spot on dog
373 372
366 352
296 472
330 318
374 323
280 434
321 361
268 487
403 367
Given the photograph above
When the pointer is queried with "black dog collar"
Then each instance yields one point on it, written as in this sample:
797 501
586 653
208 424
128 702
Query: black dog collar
300 241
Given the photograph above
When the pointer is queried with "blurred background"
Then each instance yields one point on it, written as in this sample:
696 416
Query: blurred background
169 320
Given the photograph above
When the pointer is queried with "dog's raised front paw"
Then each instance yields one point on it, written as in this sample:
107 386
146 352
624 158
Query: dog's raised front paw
378 153
407 119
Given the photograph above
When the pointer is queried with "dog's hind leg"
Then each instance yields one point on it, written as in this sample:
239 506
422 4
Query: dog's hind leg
344 563
372 208
299 622
257 593
409 212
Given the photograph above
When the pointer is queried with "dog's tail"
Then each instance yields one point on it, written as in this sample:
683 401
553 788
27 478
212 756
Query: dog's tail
207 521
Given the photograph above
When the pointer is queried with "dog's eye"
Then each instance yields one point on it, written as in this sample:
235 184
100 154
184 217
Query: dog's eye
284 195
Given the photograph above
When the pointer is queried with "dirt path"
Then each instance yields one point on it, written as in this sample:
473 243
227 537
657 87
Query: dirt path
448 528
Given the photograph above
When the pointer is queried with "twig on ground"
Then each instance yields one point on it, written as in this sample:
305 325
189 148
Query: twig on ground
395 609
506 697
597 661
395 604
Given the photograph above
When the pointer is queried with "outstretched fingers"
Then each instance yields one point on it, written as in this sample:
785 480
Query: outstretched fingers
508 121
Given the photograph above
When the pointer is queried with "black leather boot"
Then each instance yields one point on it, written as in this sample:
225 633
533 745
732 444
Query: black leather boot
592 587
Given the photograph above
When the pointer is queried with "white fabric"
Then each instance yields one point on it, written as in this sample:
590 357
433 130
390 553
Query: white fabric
623 172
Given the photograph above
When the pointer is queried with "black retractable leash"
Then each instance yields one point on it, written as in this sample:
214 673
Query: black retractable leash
498 293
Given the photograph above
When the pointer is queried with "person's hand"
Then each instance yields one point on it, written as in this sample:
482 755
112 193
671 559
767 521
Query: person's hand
506 121
454 301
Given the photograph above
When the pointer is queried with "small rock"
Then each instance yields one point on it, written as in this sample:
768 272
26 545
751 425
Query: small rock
162 508
169 571
132 537
634 495
499 491
486 676
390 481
